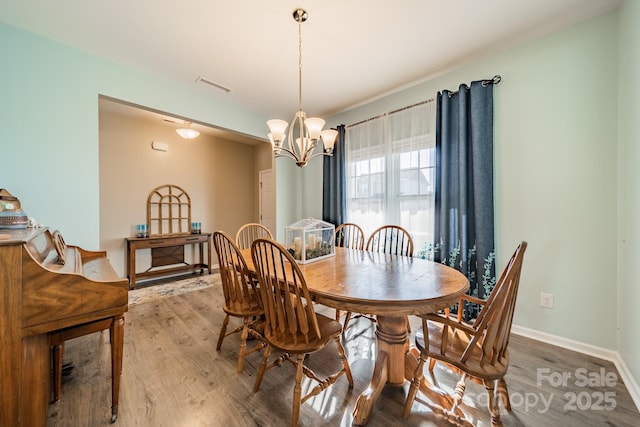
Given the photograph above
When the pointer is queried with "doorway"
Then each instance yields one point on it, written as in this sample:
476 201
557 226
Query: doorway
267 200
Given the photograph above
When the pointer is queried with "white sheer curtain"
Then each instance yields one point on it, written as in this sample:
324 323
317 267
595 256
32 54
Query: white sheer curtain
391 172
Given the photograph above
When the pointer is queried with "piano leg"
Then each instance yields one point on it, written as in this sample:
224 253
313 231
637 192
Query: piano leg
57 352
117 344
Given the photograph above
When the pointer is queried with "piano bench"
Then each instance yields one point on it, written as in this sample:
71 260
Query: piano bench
57 348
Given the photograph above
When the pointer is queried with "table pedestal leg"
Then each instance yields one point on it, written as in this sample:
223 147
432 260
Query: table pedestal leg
368 397
393 345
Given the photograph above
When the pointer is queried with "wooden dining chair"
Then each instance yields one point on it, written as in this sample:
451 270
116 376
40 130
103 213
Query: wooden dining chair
388 239
478 351
292 325
250 232
391 239
348 235
241 296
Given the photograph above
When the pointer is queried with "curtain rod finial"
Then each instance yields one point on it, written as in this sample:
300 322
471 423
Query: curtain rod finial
494 81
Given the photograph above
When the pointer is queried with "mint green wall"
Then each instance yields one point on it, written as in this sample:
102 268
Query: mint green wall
49 125
312 196
629 187
289 187
555 171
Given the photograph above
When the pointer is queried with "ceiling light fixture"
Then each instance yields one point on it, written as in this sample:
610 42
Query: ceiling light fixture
187 132
309 129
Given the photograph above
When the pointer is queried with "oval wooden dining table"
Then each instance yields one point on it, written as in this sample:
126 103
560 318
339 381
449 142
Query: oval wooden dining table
390 287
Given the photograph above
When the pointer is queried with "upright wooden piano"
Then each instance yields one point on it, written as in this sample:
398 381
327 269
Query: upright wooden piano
40 298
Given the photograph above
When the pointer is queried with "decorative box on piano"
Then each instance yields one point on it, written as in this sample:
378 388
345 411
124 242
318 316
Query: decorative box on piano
310 240
11 215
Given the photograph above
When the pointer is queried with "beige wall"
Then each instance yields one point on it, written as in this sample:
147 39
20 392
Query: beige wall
220 177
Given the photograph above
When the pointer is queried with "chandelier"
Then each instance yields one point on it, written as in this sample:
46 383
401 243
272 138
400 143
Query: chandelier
306 131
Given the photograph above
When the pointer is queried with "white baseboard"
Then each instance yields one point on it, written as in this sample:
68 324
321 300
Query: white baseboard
592 350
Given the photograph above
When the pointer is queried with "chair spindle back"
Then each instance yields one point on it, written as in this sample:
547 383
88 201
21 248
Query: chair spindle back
349 235
250 232
289 313
494 320
237 284
391 239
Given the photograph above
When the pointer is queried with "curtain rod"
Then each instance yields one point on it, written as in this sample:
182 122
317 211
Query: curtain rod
391 112
493 81
486 82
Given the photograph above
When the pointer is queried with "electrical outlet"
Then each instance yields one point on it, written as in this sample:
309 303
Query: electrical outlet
546 300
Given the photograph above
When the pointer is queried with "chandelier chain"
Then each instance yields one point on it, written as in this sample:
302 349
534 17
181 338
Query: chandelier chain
299 19
310 129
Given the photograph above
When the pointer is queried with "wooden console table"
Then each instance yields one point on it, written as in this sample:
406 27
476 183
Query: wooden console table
167 255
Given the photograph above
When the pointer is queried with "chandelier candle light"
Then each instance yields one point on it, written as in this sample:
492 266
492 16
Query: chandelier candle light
309 129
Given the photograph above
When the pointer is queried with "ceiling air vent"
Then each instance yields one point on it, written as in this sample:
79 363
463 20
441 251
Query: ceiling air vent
204 80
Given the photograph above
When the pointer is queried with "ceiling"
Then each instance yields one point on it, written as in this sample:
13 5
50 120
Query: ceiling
352 50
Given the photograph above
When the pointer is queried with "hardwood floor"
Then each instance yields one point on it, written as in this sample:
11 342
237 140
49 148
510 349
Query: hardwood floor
174 377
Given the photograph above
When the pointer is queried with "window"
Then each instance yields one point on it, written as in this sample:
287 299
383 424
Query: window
391 172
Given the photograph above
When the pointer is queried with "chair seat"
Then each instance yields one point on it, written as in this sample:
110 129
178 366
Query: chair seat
249 307
457 342
329 329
